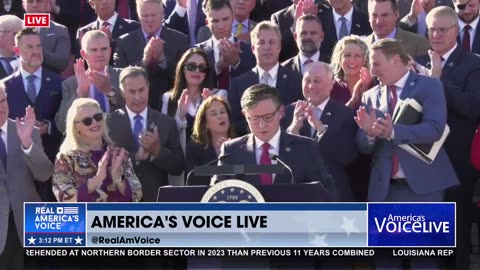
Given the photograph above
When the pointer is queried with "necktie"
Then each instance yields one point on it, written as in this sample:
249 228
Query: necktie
306 63
343 28
239 29
3 151
123 9
7 61
105 24
100 98
224 79
266 78
192 17
266 179
318 113
392 89
137 128
466 38
31 90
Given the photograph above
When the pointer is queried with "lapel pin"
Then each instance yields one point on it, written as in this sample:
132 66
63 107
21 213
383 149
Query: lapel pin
48 79
412 83
329 114
357 25
153 126
284 76
288 149
450 64
120 27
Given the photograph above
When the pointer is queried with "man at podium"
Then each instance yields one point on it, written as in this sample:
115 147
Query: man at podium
267 144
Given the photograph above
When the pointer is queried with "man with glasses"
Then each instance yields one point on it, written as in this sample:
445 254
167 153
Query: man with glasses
9 26
460 74
467 11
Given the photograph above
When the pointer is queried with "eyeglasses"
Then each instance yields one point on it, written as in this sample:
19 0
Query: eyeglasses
87 121
266 117
441 30
191 66
462 6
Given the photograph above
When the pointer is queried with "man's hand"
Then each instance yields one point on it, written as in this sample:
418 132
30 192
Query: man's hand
230 51
309 7
299 115
83 80
436 62
415 9
366 120
383 128
101 80
25 128
42 126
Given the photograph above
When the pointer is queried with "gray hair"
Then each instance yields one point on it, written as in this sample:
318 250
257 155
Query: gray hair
10 21
132 72
93 34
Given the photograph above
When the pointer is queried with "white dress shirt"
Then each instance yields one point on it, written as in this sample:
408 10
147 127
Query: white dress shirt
273 75
111 21
131 116
338 22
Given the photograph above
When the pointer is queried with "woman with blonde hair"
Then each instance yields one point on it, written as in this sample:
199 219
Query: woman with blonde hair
88 167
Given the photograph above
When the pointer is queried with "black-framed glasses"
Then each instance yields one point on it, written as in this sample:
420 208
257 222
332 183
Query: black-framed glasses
462 6
440 30
191 66
87 121
266 117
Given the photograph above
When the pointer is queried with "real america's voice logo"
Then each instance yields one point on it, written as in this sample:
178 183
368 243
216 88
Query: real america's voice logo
411 225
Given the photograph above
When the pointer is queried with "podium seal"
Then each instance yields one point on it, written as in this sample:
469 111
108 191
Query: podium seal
232 191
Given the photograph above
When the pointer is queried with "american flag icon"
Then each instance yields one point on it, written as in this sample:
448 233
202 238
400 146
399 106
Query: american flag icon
68 210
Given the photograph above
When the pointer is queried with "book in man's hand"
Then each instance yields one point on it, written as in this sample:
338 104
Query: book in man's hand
410 112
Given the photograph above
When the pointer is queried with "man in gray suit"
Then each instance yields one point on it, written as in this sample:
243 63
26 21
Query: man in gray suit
99 82
25 163
383 16
241 25
55 39
149 135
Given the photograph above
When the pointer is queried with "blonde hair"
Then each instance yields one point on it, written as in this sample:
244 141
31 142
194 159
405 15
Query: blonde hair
73 140
11 21
265 25
337 55
442 11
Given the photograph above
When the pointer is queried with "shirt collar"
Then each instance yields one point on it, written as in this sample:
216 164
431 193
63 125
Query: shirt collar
111 20
245 23
274 141
474 24
216 42
401 83
157 34
273 71
131 114
25 74
447 54
347 15
4 127
322 105
391 35
303 58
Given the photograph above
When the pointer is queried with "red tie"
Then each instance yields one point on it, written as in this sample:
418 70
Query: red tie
466 38
83 20
224 78
266 179
391 107
123 9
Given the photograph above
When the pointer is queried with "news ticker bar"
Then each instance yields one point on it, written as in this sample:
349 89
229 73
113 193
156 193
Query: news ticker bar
215 225
239 252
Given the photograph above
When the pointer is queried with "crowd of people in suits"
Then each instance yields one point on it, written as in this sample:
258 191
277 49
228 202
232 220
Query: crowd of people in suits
117 96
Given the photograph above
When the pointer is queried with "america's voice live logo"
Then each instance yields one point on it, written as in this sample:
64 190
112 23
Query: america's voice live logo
36 20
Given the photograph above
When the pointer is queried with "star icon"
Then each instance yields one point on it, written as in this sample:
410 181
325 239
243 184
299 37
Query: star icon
31 240
78 240
223 191
232 190
348 226
319 241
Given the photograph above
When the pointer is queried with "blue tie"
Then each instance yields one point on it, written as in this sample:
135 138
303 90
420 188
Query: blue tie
318 113
137 128
3 151
100 98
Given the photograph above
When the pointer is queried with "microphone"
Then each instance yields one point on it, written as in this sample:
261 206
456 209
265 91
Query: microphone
220 158
276 158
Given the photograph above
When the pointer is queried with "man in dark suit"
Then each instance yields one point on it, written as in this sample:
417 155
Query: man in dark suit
151 135
25 164
34 86
155 47
266 45
13 7
9 26
109 21
265 8
55 39
309 36
228 57
397 175
263 109
187 17
460 76
341 19
99 81
328 122
469 34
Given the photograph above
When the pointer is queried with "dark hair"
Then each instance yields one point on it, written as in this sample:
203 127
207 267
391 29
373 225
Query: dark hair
132 71
310 18
25 32
393 2
391 47
257 93
217 5
200 134
180 80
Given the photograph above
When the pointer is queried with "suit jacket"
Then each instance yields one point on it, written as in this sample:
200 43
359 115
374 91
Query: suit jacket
460 79
284 19
197 155
422 178
46 105
291 150
295 65
247 60
69 94
121 27
204 32
152 173
56 47
289 85
415 45
174 21
15 9
264 8
360 27
3 72
17 183
476 41
337 144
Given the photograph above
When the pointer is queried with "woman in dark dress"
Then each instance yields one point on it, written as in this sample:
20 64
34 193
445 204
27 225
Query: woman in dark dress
211 128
